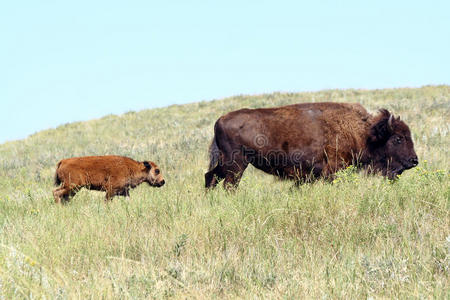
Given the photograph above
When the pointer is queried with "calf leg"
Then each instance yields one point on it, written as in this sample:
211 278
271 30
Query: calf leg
328 174
57 193
124 192
70 195
110 193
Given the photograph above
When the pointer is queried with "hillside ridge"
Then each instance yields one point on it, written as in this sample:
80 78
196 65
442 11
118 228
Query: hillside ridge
237 97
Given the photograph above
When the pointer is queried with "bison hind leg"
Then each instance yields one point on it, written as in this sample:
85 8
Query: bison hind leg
233 172
213 177
63 194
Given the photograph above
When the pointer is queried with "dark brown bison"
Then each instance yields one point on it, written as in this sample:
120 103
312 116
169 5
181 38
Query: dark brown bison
113 174
307 141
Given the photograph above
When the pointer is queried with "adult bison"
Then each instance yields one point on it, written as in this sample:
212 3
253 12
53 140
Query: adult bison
306 141
110 173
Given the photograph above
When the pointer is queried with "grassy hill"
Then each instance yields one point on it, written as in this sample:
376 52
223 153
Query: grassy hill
359 237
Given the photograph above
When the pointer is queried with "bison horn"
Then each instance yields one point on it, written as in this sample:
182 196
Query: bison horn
390 122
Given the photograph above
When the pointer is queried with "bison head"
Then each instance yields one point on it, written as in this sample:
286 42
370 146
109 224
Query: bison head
391 146
154 176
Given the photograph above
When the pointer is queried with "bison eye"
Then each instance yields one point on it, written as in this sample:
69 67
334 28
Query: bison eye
157 171
398 140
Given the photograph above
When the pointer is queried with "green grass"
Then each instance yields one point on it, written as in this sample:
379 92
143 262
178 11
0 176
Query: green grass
359 237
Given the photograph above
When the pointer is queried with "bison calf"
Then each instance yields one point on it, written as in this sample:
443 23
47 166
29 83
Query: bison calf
113 174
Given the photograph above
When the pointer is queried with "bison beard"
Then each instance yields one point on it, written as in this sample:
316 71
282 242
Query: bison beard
306 141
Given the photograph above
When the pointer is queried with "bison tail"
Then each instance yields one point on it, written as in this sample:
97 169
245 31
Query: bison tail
57 181
214 155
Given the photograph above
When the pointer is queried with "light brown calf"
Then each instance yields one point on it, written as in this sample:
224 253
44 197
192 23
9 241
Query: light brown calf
113 174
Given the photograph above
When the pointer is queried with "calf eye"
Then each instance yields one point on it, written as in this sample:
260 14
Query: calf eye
398 140
157 171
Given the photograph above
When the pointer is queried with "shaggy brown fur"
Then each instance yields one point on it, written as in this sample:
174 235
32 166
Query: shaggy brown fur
113 174
307 141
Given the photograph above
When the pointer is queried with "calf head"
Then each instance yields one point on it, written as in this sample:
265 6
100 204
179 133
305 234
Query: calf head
391 146
154 176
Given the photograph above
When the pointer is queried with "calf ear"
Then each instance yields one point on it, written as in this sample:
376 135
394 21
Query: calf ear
147 165
382 129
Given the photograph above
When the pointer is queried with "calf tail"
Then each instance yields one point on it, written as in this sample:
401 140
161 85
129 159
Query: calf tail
57 181
214 155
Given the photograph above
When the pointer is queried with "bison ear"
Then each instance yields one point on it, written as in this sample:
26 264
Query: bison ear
147 165
382 129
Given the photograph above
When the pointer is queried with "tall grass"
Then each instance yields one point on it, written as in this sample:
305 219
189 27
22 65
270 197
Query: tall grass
358 237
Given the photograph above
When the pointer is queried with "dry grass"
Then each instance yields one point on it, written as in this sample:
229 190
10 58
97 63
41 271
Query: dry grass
359 237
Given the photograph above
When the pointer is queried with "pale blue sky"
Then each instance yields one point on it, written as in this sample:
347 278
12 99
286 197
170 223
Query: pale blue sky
64 61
